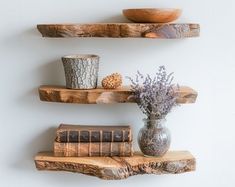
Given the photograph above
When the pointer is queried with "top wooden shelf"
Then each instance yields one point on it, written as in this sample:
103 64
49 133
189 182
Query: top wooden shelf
121 30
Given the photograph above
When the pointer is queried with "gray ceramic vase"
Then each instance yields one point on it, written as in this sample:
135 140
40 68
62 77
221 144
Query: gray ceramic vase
81 71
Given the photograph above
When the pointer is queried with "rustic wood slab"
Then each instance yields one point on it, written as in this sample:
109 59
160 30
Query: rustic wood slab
121 30
114 168
102 96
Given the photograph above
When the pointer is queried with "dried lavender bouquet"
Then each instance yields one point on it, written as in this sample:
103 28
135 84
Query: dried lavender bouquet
155 95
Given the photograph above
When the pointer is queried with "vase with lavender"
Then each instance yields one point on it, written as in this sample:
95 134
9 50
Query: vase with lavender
155 96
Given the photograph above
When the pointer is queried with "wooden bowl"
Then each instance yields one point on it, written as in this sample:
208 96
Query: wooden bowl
152 15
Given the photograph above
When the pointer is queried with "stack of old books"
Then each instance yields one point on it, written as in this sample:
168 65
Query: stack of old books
82 141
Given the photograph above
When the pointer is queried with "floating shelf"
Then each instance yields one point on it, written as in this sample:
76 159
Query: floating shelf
113 168
121 30
102 96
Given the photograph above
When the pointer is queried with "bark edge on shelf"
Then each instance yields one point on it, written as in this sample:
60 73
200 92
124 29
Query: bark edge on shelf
102 96
115 168
121 30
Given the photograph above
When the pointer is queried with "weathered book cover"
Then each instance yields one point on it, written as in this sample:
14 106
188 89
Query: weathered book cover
93 149
83 133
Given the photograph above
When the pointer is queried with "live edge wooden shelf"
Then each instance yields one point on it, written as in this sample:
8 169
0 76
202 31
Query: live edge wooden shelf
114 168
102 96
121 30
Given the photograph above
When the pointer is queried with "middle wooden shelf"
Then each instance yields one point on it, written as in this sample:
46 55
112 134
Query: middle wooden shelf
102 96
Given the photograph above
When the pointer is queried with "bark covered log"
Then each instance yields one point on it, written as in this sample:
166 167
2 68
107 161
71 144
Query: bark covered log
81 71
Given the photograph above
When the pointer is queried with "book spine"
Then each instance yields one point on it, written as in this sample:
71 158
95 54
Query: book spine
93 149
74 136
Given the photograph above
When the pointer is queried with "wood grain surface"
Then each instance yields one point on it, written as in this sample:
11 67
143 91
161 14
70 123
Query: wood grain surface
113 168
121 30
102 96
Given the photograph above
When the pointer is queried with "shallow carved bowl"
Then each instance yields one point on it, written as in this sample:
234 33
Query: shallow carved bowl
152 15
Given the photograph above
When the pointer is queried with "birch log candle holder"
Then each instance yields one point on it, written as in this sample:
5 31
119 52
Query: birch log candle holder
81 71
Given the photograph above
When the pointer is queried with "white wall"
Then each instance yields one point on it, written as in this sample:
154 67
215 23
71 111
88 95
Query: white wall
28 60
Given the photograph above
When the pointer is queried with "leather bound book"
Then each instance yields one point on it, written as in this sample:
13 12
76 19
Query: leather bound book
83 133
93 149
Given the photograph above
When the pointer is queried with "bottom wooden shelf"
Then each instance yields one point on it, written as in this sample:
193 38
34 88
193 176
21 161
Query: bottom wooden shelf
113 168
